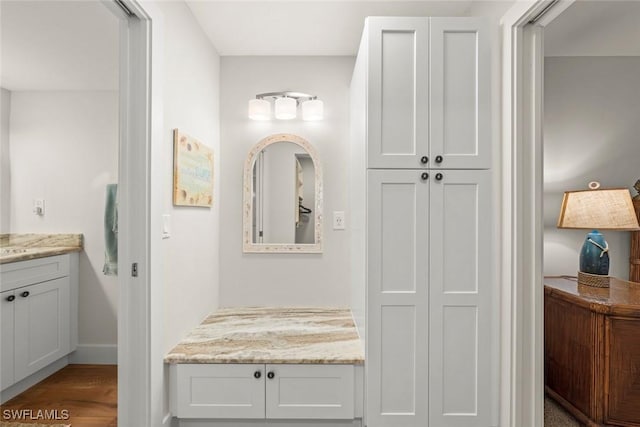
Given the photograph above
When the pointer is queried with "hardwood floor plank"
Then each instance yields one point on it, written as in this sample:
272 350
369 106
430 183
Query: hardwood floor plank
88 392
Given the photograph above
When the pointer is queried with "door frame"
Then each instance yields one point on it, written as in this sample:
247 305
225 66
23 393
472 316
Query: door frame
140 317
522 306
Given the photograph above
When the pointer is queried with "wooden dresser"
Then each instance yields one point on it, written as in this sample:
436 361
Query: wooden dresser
592 350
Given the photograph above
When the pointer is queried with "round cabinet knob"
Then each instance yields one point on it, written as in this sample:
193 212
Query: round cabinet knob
439 159
439 177
11 298
24 294
270 375
257 374
424 176
424 160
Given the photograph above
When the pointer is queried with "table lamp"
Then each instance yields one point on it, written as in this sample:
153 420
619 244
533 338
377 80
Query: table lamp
595 209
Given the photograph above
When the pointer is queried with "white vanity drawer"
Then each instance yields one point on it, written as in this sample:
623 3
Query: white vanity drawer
21 273
310 392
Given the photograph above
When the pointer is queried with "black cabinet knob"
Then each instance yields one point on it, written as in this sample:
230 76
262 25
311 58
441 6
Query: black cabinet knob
24 294
424 160
439 177
11 298
424 176
439 159
257 374
270 375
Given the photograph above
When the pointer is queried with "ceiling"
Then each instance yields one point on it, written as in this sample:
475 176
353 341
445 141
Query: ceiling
595 28
302 27
42 49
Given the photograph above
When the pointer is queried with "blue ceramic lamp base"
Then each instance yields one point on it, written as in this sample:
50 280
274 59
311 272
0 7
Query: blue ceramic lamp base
594 261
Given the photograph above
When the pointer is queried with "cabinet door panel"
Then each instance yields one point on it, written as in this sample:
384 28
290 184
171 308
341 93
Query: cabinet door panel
460 126
219 391
310 392
42 325
398 92
6 329
461 300
397 252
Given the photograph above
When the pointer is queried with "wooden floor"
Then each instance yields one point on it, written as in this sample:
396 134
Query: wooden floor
88 392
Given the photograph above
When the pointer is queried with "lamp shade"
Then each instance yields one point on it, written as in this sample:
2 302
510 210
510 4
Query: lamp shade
312 110
259 109
608 209
286 108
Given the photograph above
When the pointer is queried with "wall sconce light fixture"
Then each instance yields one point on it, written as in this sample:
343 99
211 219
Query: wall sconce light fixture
286 106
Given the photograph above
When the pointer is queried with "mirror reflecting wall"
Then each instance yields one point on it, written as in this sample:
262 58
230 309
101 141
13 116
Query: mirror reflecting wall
282 196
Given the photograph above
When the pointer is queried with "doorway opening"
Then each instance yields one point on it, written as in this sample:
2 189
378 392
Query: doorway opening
60 89
532 175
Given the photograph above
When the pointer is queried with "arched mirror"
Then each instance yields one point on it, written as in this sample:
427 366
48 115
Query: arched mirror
282 196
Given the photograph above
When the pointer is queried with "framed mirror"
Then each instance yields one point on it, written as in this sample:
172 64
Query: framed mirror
282 202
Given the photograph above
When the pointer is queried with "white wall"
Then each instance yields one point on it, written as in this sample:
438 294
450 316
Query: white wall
5 164
591 133
64 149
191 104
284 279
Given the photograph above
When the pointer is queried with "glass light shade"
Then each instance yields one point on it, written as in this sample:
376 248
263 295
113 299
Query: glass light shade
610 209
286 108
259 109
312 110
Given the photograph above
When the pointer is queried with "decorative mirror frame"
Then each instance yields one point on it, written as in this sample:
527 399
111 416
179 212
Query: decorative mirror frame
247 202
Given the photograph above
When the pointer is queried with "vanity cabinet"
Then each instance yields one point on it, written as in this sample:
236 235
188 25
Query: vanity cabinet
37 312
262 391
427 92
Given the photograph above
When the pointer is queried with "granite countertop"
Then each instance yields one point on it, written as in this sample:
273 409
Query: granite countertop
22 247
272 335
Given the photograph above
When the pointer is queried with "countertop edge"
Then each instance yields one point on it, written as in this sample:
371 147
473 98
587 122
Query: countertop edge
39 253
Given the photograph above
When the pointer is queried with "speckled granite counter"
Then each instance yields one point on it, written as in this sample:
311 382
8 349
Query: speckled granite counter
272 335
22 247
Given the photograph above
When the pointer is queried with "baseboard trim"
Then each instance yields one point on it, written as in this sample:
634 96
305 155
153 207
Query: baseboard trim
95 354
33 379
166 421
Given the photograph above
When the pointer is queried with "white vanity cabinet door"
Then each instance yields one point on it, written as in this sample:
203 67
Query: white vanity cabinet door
461 303
6 329
398 92
41 325
460 93
310 391
218 391
397 298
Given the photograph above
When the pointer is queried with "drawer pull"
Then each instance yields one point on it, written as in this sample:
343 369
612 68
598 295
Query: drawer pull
24 294
11 298
424 176
439 177
257 374
439 159
270 375
424 160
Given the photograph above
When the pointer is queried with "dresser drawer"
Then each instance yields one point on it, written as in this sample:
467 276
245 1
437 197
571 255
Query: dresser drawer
21 273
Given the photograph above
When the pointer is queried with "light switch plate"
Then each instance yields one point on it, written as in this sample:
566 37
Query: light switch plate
338 220
166 226
38 207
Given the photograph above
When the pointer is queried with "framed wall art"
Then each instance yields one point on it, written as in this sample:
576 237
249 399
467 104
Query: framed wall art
192 171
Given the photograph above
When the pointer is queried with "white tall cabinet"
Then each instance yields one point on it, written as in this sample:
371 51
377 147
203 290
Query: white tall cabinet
422 221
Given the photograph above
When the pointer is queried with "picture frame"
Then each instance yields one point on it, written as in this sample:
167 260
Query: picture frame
193 168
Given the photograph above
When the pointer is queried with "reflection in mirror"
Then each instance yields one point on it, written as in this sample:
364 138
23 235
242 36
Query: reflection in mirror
283 195
283 199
